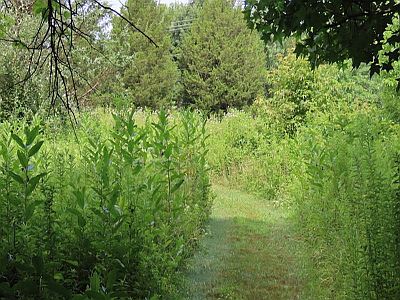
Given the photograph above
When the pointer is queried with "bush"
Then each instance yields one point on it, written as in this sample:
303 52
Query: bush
20 94
325 147
296 91
243 152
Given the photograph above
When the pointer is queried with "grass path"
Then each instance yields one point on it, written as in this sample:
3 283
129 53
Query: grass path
248 252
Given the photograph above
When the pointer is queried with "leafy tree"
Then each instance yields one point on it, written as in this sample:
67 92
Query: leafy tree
51 45
148 75
19 97
297 94
24 64
330 31
222 60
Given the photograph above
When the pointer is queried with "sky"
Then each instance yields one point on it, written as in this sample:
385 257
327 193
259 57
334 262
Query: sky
116 3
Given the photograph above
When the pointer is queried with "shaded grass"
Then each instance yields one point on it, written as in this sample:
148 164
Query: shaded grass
250 252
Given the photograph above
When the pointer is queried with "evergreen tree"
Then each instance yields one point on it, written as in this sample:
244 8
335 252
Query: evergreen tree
222 61
148 75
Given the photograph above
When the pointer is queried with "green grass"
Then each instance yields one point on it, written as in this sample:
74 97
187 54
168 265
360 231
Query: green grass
250 252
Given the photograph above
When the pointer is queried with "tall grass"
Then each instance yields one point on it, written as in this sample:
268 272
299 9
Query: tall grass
338 176
113 215
346 203
244 152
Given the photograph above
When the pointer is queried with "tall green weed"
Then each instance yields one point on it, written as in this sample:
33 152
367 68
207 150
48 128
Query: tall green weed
112 216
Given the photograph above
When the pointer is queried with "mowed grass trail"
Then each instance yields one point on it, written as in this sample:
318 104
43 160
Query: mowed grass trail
249 252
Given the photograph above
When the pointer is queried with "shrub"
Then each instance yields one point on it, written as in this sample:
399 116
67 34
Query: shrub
297 92
243 152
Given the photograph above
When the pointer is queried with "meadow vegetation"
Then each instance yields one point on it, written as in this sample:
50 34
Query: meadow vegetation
113 215
112 204
326 148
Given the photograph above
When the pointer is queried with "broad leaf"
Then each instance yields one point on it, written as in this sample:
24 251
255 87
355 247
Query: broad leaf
18 140
177 185
17 178
33 182
31 135
35 148
39 7
23 160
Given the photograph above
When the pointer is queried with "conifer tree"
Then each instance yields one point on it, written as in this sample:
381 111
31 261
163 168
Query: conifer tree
148 74
222 61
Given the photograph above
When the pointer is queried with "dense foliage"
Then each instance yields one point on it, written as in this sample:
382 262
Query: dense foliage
222 61
18 96
113 216
148 76
330 31
112 206
345 197
337 172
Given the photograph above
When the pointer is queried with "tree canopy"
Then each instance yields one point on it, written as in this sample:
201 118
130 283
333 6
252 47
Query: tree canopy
149 76
58 25
222 61
331 30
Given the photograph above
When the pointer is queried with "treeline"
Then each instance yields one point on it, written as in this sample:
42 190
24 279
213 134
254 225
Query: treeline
214 63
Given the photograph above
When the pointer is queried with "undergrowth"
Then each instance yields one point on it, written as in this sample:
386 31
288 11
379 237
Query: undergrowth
112 215
328 150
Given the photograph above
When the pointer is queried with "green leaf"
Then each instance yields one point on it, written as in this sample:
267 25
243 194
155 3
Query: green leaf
17 178
168 151
177 185
114 197
35 148
117 224
136 169
5 23
58 289
30 209
31 134
39 7
23 160
73 263
80 198
67 14
111 279
56 5
58 276
33 182
18 140
77 213
95 282
99 213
